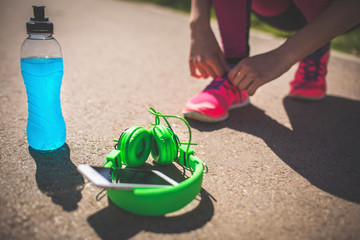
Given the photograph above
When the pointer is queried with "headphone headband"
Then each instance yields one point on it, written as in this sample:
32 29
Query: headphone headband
159 201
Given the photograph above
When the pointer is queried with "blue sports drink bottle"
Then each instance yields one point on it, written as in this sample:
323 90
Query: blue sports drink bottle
42 71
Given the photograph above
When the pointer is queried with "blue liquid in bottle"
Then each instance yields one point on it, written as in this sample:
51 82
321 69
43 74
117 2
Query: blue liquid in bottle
46 128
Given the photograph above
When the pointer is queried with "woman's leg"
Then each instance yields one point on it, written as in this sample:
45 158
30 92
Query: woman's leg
271 8
234 21
213 103
309 81
311 8
288 15
281 14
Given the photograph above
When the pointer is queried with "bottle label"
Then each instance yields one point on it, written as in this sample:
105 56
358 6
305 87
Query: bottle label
46 126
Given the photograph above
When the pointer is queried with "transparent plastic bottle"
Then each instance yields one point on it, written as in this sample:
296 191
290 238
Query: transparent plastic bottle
42 71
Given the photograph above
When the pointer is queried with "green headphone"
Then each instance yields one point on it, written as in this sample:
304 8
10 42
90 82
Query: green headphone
134 147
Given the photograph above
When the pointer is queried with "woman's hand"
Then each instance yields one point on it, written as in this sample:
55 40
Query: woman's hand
252 72
206 58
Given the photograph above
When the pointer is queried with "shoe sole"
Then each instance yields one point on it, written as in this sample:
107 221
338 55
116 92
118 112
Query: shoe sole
204 118
301 97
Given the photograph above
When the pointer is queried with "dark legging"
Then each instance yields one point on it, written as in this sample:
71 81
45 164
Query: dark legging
234 19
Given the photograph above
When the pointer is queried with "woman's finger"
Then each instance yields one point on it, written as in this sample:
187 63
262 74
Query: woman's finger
201 70
217 67
245 83
253 87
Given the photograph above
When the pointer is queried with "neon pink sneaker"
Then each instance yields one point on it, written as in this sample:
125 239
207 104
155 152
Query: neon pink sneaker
309 82
215 101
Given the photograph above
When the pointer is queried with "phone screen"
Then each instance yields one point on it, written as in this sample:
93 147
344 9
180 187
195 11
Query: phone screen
134 176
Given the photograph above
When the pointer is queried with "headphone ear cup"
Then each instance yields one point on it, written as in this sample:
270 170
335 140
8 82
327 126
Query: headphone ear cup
134 146
164 147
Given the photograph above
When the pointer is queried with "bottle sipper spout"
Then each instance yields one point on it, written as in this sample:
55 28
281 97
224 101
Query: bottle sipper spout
39 23
39 14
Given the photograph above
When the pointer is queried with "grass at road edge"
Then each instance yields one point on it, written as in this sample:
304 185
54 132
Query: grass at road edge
348 42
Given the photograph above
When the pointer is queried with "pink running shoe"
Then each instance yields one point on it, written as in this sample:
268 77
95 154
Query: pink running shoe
309 82
215 101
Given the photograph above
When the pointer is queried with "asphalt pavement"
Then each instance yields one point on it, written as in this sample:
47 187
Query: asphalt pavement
278 168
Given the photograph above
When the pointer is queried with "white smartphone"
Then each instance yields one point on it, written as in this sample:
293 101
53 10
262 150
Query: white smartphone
125 178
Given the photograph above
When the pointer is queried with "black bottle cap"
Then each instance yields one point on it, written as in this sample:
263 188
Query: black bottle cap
39 23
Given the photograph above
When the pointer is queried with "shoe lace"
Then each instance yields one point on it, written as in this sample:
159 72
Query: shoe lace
218 82
313 66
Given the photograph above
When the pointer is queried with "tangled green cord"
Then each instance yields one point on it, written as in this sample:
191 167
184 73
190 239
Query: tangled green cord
159 115
157 122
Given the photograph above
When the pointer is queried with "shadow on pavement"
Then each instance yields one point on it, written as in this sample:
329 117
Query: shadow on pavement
57 177
323 146
113 222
